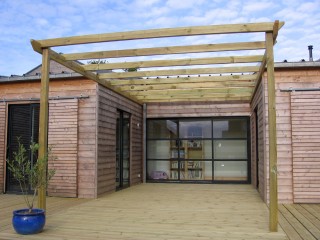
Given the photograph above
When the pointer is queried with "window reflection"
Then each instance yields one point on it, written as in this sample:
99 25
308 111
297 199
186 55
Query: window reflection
230 149
230 171
231 128
162 129
195 129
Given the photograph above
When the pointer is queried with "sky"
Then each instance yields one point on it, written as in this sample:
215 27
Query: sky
22 20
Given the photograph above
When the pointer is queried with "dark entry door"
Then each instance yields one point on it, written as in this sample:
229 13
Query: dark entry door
23 123
257 146
123 150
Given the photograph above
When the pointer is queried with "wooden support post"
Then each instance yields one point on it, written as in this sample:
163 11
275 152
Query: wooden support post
273 185
43 121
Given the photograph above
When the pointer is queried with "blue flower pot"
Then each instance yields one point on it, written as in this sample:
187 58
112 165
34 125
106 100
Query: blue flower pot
28 223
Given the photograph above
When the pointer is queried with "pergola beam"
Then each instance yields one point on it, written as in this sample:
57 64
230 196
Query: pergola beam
182 80
159 33
79 69
195 92
175 62
196 97
211 85
276 27
175 72
260 75
166 50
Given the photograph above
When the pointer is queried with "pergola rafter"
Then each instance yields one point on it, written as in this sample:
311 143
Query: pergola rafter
191 66
223 47
175 62
178 79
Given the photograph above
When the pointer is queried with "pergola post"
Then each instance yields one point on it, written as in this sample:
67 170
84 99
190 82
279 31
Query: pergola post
273 185
43 121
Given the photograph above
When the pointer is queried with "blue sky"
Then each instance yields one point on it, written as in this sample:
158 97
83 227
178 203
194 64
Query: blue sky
22 20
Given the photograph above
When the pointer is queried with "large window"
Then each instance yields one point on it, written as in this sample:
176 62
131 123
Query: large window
198 150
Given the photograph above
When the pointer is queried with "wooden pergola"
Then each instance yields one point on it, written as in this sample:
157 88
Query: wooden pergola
171 79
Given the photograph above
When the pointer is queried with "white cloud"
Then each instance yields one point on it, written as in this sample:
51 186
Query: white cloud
39 19
174 4
309 7
162 22
254 7
145 3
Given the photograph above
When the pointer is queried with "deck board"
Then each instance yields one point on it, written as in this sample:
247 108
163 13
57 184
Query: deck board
162 211
300 221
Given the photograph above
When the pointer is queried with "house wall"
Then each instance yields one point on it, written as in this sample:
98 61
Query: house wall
63 138
85 177
108 103
305 112
197 109
285 79
258 102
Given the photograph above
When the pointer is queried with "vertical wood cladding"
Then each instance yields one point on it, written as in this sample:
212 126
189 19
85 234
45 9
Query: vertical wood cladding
2 143
285 79
258 102
305 112
108 103
63 138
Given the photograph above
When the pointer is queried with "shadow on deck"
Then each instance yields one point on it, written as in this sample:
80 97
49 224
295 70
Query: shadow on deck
157 211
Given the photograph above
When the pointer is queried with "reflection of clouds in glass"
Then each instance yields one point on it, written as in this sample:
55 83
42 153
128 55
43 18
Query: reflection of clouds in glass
195 129
218 128
172 126
232 128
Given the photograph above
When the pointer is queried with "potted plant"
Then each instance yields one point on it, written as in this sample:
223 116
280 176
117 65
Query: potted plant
29 220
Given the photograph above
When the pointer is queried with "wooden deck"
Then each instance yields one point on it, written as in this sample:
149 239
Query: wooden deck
154 211
300 221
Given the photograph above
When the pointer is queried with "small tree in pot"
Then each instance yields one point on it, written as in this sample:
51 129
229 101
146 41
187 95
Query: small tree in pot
29 175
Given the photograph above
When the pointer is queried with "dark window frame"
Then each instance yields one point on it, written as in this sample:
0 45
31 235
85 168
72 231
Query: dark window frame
212 160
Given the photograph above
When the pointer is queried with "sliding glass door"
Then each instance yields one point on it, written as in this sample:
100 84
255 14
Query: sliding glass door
208 150
123 150
23 123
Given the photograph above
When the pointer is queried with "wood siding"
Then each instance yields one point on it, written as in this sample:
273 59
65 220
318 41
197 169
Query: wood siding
305 110
197 109
286 79
258 102
86 166
108 103
63 139
2 144
284 143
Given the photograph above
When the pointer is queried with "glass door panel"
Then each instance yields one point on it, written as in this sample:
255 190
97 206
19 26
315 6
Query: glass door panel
198 149
23 123
230 149
125 149
231 170
122 150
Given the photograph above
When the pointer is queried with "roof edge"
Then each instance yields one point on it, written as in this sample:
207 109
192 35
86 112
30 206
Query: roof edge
305 64
38 77
277 65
